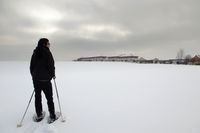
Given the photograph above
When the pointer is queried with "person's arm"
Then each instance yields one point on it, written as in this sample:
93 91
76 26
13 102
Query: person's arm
32 63
51 65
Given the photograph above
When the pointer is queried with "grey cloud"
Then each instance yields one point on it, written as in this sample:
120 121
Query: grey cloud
150 25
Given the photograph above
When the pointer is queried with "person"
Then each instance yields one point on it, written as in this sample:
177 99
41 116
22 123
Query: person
42 70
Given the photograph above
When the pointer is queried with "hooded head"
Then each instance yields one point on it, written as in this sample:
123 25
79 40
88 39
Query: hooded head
42 42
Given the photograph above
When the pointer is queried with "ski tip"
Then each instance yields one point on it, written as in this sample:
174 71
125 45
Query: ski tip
19 125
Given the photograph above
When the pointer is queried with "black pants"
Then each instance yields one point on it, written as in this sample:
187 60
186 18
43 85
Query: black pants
46 87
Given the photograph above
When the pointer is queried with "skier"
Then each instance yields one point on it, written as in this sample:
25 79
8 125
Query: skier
42 71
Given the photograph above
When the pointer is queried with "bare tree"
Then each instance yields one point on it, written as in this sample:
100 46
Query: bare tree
180 54
188 58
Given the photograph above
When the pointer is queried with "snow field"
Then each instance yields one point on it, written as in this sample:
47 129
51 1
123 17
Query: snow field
106 97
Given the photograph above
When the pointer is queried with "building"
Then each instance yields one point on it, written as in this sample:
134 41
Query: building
123 58
196 59
96 58
110 58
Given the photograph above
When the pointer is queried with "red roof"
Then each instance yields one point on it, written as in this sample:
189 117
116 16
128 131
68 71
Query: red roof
111 57
196 58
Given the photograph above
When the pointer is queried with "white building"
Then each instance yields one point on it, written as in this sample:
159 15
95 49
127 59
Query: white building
110 58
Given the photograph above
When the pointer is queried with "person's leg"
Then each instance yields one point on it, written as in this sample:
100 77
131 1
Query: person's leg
38 98
49 96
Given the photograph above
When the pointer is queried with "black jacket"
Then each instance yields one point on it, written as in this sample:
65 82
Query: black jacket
42 64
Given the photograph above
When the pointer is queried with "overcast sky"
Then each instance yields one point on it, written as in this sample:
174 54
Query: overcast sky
79 28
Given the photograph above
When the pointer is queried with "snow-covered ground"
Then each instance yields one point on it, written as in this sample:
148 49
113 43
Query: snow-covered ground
104 97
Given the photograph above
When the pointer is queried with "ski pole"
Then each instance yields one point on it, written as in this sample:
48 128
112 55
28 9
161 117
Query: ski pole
20 124
58 100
